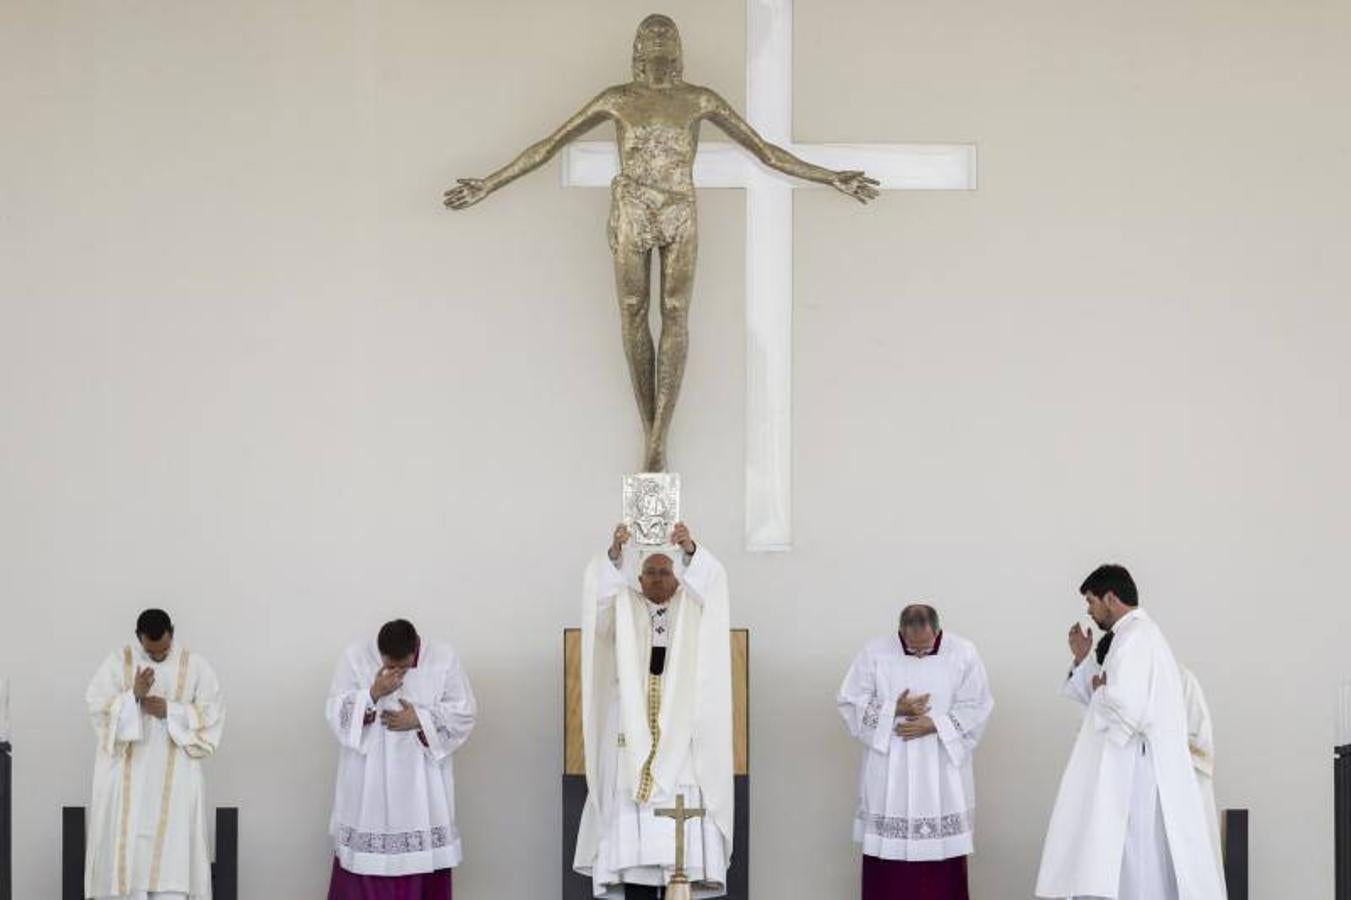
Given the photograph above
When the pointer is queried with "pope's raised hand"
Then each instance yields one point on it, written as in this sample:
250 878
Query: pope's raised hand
680 536
465 194
618 540
857 185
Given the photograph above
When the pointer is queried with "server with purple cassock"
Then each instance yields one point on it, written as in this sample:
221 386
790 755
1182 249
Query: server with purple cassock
918 700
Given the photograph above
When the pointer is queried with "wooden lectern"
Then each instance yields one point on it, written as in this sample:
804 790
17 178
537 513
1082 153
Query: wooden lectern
576 887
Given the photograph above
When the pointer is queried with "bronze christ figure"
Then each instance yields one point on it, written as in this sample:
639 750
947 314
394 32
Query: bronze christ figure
656 117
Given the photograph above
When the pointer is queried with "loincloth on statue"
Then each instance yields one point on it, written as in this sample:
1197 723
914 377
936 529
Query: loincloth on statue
643 217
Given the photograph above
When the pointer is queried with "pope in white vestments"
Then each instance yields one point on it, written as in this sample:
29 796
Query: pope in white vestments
1129 821
918 700
157 713
400 706
656 720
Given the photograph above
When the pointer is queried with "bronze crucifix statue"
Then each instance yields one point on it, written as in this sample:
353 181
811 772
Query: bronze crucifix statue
657 117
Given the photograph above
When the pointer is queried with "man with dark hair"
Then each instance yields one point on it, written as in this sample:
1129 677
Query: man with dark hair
157 713
397 639
399 706
1129 821
154 624
1111 579
915 814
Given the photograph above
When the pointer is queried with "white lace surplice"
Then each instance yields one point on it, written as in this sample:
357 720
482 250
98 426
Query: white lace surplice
394 802
916 798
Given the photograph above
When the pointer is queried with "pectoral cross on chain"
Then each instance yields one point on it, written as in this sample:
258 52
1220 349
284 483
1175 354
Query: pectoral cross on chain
681 816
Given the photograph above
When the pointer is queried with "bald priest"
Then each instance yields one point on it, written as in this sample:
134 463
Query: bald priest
918 700
656 718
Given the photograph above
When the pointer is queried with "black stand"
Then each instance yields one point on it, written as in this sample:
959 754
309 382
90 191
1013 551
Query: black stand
6 823
1342 814
224 871
1236 853
72 853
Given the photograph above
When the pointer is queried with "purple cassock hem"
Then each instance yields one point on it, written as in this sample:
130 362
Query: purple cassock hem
346 885
895 879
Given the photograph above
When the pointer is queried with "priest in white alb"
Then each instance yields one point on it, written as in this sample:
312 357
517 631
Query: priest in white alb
1078 686
400 706
157 713
1201 746
1129 822
656 718
918 700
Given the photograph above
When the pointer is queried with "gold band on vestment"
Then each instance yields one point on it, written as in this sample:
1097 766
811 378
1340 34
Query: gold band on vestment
167 793
125 819
654 729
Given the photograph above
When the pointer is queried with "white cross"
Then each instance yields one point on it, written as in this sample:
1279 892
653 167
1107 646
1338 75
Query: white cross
769 244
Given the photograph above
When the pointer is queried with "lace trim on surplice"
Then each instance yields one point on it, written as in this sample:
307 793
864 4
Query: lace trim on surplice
349 705
388 843
872 712
922 828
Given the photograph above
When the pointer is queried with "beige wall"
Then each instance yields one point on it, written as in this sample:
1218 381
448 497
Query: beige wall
250 370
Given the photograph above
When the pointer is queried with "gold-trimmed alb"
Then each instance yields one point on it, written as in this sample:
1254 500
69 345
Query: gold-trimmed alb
125 822
167 793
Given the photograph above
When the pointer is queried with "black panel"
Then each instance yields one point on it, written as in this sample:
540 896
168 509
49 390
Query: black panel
6 823
1342 814
72 853
576 887
739 875
1236 853
225 870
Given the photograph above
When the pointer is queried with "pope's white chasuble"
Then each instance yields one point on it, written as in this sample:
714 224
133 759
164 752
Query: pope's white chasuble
652 735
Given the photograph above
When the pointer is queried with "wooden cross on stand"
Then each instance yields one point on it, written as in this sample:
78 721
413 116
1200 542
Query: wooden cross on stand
681 816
